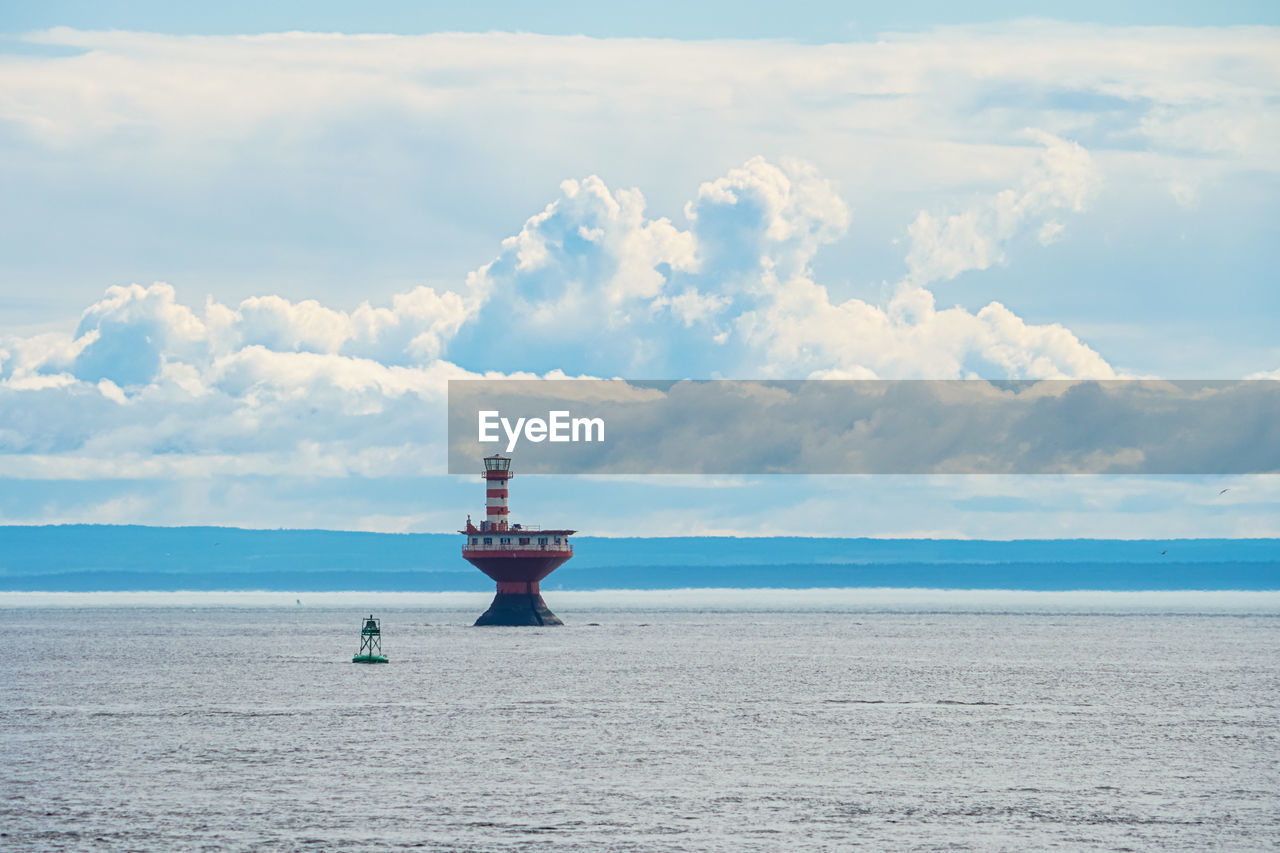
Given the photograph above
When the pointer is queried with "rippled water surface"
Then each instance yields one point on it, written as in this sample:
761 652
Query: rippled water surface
165 729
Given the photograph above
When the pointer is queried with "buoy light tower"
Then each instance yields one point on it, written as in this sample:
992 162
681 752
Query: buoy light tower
370 643
516 556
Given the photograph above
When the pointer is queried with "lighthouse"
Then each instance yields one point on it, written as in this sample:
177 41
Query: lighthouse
516 556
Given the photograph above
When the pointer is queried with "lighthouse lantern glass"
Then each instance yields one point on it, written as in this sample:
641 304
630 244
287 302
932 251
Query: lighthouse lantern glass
497 463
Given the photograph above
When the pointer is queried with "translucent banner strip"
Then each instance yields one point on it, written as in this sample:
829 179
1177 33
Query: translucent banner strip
867 426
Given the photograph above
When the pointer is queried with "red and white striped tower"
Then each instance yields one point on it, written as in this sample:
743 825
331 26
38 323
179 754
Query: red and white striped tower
516 556
495 491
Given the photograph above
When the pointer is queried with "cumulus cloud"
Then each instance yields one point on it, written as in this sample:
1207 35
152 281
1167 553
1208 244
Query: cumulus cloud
393 157
932 113
762 218
135 334
148 386
124 336
413 328
592 280
918 133
589 270
910 338
801 330
942 247
590 285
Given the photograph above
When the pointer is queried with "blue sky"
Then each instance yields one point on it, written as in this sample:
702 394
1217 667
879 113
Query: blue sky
237 265
804 20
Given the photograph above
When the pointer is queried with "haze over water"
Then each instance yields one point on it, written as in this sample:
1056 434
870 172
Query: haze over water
177 728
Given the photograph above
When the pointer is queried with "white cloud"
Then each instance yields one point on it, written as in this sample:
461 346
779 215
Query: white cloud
773 218
603 247
413 328
281 325
1065 179
691 307
422 148
739 289
934 112
137 336
801 330
155 384
150 386
229 85
911 338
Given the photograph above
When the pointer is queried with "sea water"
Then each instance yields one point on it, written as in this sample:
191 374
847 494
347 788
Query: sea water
174 728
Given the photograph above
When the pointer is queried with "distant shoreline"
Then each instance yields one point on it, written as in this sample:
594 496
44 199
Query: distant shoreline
122 559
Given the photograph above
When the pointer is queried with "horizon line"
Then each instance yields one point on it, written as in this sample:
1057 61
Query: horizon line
886 538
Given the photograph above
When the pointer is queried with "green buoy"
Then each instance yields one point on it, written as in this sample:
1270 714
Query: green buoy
370 643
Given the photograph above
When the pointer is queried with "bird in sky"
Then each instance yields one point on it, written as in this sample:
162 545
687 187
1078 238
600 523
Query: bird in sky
1224 491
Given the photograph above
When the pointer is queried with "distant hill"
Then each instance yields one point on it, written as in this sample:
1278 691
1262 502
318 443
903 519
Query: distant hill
108 557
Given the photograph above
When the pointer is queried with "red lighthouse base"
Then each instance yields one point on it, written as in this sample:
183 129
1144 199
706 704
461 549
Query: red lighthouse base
518 603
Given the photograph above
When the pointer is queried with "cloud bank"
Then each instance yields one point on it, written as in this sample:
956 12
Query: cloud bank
1168 88
296 189
148 384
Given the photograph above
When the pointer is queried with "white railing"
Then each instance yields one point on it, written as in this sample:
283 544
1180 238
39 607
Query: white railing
563 547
